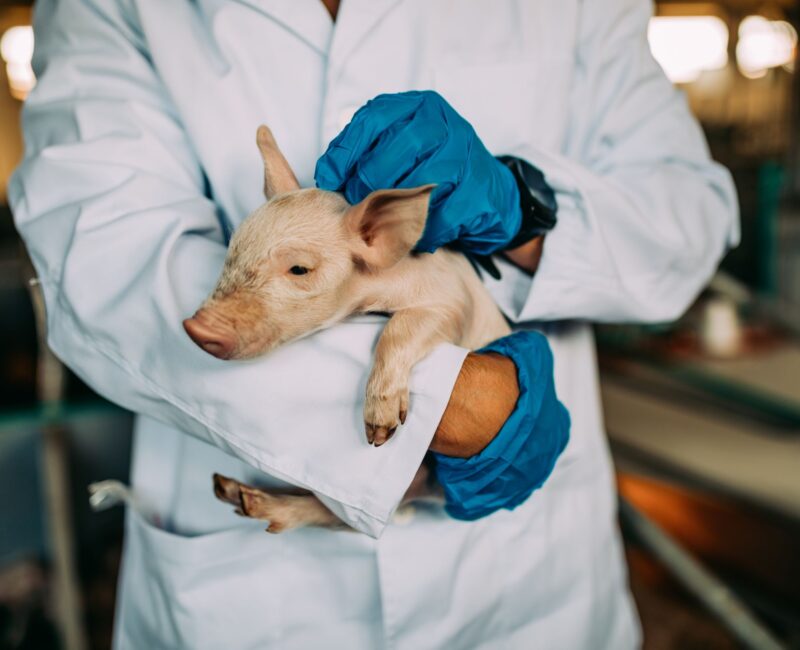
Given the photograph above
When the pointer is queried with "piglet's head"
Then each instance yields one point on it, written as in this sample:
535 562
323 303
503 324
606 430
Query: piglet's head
298 263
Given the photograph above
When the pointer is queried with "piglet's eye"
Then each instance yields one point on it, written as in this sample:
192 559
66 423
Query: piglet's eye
298 270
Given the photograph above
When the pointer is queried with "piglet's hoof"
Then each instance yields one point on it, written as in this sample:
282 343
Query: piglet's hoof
384 411
377 434
227 490
254 503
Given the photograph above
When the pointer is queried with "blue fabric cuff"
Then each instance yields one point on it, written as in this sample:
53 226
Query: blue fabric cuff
524 452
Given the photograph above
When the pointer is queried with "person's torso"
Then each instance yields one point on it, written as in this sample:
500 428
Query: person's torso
230 65
546 575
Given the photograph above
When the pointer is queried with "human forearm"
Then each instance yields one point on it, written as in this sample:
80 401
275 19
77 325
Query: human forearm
516 460
483 397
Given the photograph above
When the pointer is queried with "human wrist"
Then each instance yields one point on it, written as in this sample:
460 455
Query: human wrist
528 255
536 200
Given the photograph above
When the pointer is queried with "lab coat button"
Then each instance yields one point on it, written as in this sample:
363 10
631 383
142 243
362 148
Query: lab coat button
404 515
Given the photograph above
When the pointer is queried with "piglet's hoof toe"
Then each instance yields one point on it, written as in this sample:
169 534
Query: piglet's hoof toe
370 431
382 434
275 528
226 489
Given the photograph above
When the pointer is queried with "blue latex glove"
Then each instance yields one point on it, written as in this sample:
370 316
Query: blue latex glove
416 138
524 452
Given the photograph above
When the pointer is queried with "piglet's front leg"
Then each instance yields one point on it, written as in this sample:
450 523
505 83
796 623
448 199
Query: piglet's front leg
408 337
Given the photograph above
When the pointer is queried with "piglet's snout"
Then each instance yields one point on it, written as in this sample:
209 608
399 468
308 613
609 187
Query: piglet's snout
211 335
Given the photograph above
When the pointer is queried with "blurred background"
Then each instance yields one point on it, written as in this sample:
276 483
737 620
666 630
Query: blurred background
703 415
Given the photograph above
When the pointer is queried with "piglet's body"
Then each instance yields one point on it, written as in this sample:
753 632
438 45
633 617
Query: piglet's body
307 259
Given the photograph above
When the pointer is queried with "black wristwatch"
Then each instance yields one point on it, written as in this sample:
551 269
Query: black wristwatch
537 200
538 204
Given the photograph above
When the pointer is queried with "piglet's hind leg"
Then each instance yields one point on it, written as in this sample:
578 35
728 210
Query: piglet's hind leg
283 511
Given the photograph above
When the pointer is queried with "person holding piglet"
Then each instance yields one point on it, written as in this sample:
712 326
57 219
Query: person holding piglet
139 166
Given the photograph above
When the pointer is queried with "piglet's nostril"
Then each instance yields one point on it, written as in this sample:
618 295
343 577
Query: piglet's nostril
215 348
217 343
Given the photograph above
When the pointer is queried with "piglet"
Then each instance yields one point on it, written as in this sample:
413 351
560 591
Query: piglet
307 259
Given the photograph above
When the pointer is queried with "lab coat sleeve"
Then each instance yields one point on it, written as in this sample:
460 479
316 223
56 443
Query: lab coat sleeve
644 215
110 201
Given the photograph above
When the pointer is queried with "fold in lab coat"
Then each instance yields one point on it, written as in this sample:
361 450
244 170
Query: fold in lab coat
140 161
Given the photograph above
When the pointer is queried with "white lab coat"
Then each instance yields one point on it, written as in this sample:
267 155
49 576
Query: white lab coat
141 160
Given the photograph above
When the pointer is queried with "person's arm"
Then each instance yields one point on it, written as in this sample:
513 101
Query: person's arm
644 215
110 202
527 256
482 399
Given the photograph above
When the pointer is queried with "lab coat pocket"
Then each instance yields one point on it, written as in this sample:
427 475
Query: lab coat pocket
245 589
511 105
199 592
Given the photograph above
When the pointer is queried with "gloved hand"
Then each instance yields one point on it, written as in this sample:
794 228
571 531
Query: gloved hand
524 452
416 138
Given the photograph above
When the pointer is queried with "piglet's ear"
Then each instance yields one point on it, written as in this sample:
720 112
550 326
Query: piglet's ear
278 176
388 224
